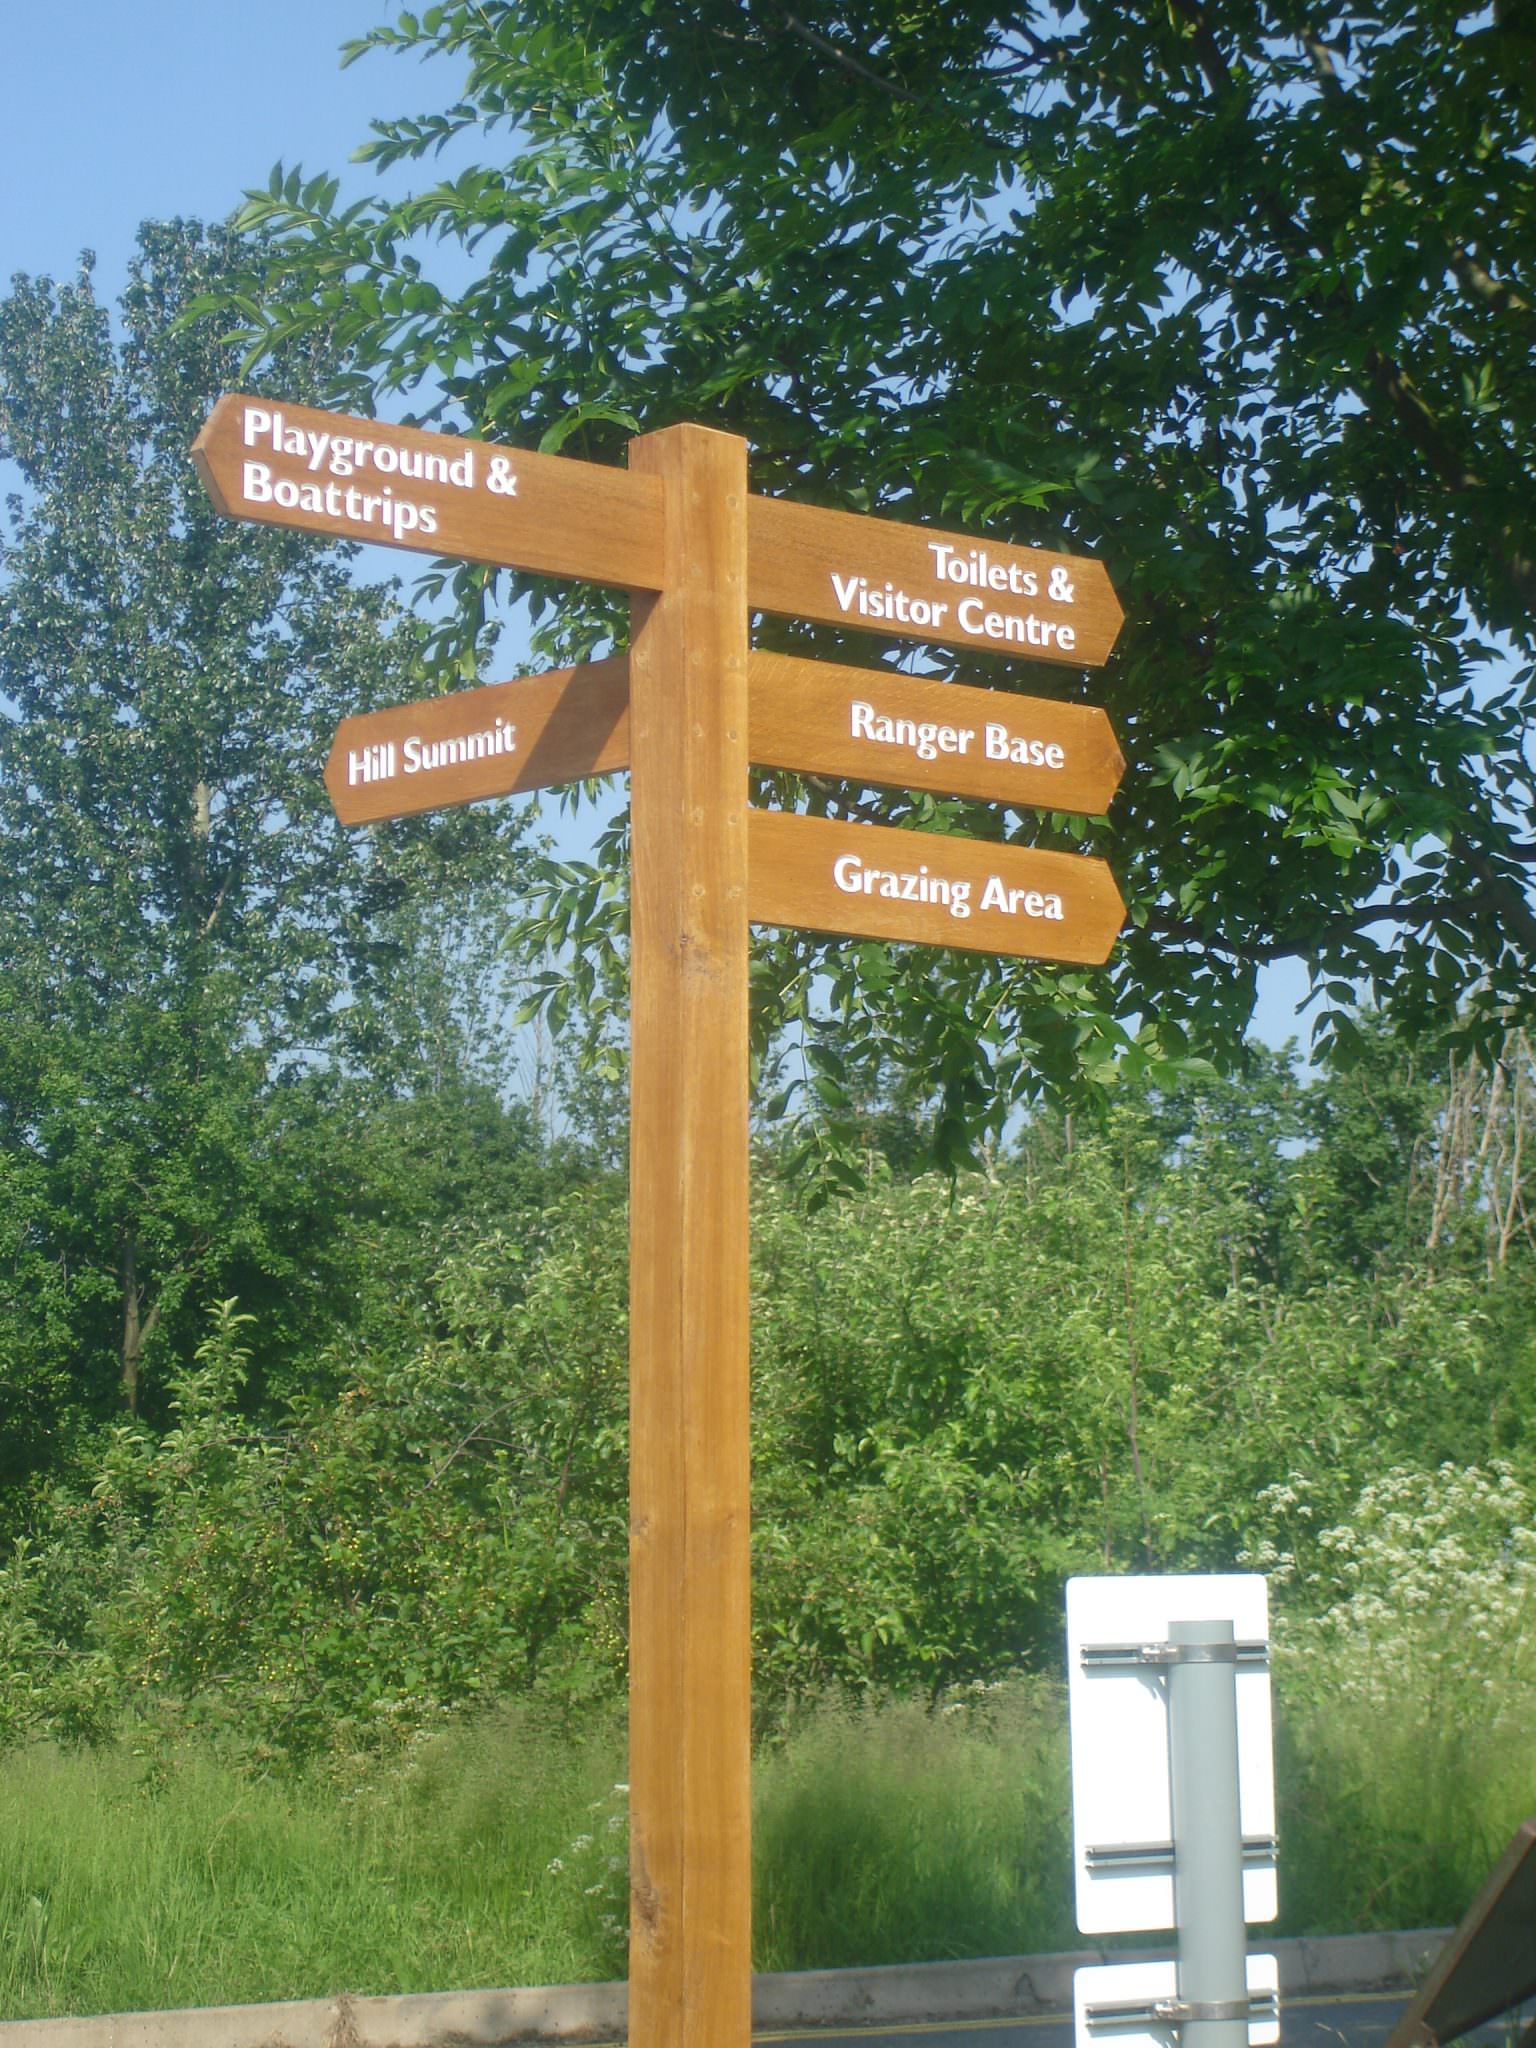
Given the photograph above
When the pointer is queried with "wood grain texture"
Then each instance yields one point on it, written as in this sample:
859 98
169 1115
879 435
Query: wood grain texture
810 563
499 740
817 717
549 514
480 501
870 882
870 726
690 1673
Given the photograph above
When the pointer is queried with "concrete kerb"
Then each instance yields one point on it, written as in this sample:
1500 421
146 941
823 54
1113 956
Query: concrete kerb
1000 1987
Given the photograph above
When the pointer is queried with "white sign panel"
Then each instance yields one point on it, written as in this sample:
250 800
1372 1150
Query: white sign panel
1146 1984
1122 1821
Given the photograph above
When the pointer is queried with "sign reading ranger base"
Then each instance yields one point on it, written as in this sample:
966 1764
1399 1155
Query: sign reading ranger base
870 726
865 725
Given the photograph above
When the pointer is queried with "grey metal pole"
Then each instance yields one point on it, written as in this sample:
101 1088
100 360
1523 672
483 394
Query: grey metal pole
1207 1834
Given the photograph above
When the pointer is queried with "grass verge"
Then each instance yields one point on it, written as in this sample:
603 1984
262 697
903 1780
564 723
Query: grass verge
495 1854
191 1884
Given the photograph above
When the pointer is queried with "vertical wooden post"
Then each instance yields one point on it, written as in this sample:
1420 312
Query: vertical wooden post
690 1677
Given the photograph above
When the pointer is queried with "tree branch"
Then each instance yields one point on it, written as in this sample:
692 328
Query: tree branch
845 61
1419 423
1495 892
1469 273
1499 890
1213 65
1387 377
1491 291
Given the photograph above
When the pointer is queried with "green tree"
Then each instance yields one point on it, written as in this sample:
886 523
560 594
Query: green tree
1236 298
195 961
961 1392
447 1527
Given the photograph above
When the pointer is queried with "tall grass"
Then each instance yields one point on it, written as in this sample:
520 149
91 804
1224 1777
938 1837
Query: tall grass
495 1854
192 1884
888 1833
1394 1811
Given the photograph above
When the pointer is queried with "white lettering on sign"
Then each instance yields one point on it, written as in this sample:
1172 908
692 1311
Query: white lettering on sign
996 895
340 456
501 738
1002 745
926 740
1017 629
367 508
919 885
344 454
415 755
372 764
971 569
905 886
885 601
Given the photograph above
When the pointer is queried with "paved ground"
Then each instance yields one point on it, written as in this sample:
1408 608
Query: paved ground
1319 2017
1363 2021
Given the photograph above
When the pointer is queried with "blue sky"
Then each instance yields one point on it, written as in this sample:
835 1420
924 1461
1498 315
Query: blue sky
110 115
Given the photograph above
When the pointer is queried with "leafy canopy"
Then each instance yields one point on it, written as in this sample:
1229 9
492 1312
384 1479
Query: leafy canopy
188 945
1133 1348
1237 298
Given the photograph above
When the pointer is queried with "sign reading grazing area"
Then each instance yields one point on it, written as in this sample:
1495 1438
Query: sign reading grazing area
875 883
686 711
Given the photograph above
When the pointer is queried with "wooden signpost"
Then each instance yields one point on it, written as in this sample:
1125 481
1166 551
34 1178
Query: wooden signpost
686 711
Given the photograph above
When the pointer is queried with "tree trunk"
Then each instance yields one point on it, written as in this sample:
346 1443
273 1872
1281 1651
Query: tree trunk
137 1326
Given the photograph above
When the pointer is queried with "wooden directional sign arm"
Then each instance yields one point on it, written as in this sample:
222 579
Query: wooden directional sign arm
357 479
499 740
817 718
871 882
886 576
402 487
909 732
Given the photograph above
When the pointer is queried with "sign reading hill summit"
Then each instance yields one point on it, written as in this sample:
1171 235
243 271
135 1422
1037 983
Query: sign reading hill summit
685 711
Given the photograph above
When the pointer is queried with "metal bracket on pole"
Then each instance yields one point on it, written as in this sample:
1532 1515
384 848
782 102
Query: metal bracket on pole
1178 2012
1207 1834
1169 1689
1155 1656
1140 1855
